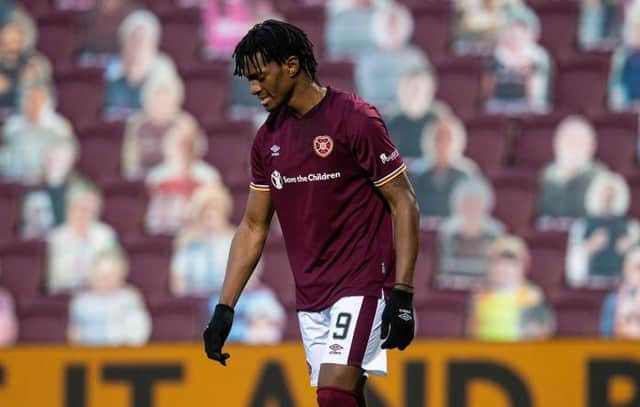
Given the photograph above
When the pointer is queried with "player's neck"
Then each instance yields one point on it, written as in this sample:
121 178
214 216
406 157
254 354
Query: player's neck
305 97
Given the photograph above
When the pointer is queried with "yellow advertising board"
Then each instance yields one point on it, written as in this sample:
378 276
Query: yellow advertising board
428 374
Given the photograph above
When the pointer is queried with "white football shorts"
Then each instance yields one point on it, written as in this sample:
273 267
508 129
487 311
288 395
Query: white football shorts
347 333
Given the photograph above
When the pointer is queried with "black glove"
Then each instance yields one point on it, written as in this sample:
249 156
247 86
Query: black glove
216 333
398 324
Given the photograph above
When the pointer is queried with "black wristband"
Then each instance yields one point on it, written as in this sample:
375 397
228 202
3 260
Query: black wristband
402 296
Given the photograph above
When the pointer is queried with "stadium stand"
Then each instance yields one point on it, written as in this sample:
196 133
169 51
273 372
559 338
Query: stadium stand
510 151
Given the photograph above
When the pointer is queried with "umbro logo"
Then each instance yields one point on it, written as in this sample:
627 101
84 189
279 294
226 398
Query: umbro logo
405 315
275 150
335 349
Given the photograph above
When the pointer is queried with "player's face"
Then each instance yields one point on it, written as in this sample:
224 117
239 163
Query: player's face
271 83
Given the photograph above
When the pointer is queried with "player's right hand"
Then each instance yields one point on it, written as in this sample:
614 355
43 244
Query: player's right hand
217 332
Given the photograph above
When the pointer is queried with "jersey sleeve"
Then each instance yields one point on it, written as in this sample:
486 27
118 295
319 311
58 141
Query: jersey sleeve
373 148
258 177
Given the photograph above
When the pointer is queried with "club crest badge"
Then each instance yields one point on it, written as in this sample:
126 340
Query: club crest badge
323 145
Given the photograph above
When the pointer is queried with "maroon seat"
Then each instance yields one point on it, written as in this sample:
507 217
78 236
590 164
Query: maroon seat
10 197
100 151
443 315
182 35
22 270
459 83
580 84
38 8
149 267
487 142
161 6
80 95
426 265
559 25
229 150
44 322
578 313
277 271
617 140
548 257
177 319
533 145
634 189
58 35
125 207
432 28
207 90
337 74
311 19
515 201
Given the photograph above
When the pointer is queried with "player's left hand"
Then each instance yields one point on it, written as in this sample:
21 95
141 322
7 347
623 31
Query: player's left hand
217 332
398 323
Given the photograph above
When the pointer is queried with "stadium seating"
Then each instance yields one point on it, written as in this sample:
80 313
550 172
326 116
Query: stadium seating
510 152
125 207
559 26
442 315
181 35
22 270
58 34
80 94
617 140
150 264
432 27
229 150
100 151
533 144
515 201
547 269
459 84
10 197
578 313
207 90
487 142
581 84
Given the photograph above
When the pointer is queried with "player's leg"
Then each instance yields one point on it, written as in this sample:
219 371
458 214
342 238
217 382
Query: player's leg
344 382
353 346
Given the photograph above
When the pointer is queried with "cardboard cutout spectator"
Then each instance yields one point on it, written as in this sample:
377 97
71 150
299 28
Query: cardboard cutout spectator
109 312
172 182
73 246
202 247
598 241
496 311
162 98
466 235
443 145
139 36
29 134
564 182
518 72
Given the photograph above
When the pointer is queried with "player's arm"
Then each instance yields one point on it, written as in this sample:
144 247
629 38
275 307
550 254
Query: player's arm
398 323
247 245
244 254
401 199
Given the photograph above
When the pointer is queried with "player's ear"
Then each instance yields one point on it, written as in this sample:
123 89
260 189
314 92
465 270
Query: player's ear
292 66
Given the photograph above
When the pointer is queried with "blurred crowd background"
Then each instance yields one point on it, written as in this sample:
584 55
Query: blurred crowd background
124 170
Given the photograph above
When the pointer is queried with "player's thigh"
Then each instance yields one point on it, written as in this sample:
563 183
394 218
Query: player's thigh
341 376
348 342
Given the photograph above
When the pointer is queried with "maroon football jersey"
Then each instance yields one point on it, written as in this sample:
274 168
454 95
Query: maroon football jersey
323 170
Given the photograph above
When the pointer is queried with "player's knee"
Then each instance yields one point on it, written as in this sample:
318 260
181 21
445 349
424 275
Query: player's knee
333 396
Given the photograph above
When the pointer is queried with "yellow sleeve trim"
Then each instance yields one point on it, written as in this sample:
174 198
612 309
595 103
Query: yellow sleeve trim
393 175
259 188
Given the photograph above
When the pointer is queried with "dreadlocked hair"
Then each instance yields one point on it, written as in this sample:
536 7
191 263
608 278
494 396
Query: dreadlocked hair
276 41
